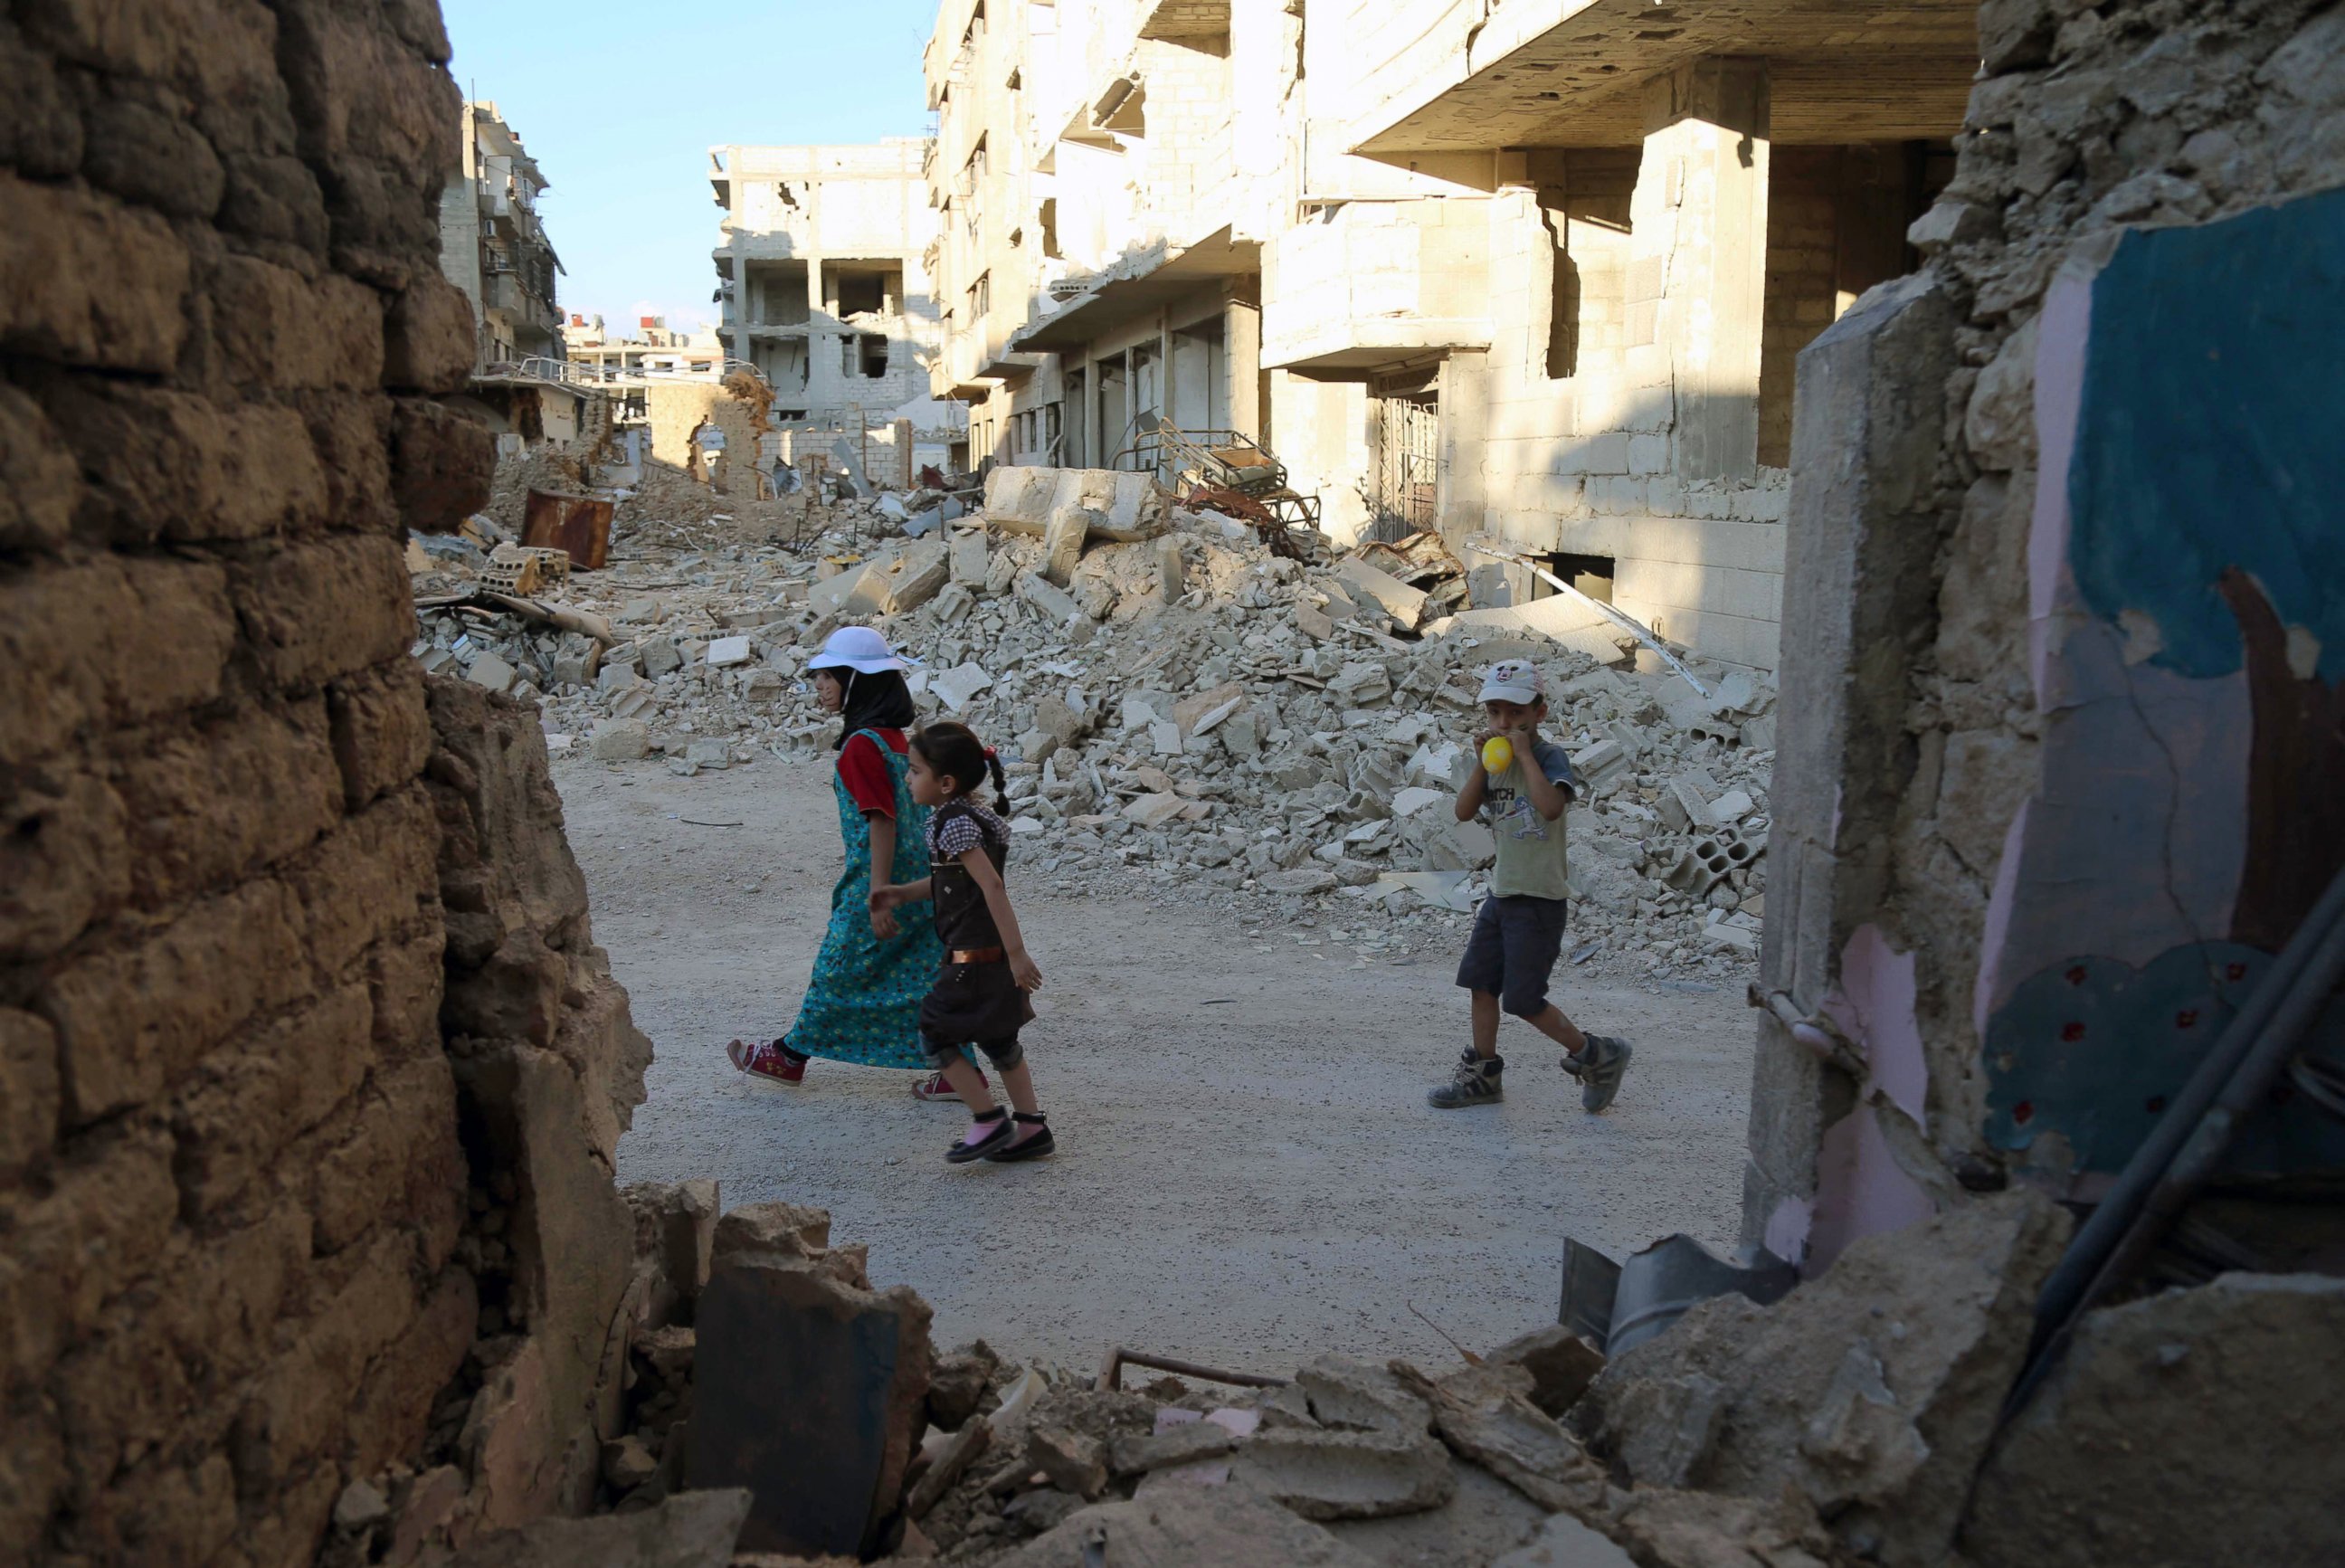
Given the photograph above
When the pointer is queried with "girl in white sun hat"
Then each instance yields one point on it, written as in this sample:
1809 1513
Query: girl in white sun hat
873 971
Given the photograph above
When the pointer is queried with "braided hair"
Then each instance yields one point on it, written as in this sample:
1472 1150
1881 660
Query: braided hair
954 751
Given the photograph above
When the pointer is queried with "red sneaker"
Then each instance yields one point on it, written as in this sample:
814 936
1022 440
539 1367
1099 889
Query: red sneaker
936 1086
773 1064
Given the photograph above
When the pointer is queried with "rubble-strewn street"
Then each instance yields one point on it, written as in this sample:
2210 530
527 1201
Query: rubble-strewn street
1241 1115
1190 715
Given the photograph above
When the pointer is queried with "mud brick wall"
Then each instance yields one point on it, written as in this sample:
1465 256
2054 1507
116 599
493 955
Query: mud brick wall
232 1185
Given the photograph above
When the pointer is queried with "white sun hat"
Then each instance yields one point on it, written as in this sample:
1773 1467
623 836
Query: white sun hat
858 648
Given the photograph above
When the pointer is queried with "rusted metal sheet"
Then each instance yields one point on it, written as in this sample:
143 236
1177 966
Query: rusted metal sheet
577 524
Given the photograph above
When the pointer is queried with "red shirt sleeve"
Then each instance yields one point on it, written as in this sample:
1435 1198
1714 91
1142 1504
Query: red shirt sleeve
865 773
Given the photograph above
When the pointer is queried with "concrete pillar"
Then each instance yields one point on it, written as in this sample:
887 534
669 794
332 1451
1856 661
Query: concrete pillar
740 345
1462 500
1698 267
1242 362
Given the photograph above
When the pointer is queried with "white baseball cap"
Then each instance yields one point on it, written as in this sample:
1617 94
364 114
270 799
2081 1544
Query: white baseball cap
1513 680
858 648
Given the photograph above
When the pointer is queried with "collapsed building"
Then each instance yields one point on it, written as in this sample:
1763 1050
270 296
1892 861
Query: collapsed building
1540 274
311 1075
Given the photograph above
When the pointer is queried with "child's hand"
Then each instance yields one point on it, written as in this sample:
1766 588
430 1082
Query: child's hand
884 924
1025 971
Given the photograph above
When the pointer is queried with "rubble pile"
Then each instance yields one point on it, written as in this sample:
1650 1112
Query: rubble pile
780 1411
1182 710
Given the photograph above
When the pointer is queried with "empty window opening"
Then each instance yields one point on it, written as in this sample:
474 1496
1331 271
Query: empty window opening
1591 575
873 358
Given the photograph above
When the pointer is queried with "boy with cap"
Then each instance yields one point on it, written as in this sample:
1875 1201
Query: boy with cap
1518 930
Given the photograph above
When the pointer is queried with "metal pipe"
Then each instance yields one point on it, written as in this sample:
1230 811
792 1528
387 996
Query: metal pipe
1112 1370
2187 1143
1812 1030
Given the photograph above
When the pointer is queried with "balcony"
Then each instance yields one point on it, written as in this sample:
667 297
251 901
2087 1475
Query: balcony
1388 283
1462 76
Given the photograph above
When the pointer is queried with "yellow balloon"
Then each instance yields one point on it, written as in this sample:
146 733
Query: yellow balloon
1497 755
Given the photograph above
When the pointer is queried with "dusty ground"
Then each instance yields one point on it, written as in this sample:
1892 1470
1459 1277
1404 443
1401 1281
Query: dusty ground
1248 1174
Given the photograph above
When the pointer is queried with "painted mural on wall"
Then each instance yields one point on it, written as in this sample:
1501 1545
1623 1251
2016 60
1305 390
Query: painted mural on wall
2187 623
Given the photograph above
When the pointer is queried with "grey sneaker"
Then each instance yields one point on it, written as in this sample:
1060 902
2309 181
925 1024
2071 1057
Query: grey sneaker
1475 1082
1600 1066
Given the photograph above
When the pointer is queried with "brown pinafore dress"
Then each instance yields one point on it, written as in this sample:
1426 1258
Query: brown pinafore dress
974 1001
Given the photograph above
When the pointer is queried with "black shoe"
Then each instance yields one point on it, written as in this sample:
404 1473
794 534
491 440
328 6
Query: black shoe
1031 1148
1475 1081
963 1151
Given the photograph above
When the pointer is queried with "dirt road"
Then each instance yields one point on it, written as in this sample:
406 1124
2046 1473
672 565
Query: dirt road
1249 1173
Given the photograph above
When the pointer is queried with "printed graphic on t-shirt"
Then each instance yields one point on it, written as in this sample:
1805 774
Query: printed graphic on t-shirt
1515 814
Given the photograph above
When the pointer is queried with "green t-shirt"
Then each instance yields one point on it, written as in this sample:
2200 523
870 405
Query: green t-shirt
1531 851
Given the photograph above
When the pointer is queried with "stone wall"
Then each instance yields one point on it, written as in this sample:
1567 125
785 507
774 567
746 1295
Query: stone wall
2031 724
246 1190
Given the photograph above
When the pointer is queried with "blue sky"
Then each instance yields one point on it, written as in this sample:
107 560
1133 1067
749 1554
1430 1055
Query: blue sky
620 104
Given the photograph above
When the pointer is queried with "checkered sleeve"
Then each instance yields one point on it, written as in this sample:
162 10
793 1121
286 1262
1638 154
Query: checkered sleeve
954 837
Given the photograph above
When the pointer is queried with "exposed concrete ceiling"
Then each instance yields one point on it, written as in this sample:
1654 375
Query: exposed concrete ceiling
1842 71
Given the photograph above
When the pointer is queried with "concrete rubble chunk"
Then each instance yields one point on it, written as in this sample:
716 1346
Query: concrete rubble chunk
959 686
1054 604
1075 1461
969 559
620 740
1302 882
725 652
925 571
1063 536
2087 1473
1871 1390
1127 506
1185 1444
1403 604
949 1456
807 1390
1561 1365
490 671
1484 1414
1346 1474
1224 1527
1155 810
1368 1396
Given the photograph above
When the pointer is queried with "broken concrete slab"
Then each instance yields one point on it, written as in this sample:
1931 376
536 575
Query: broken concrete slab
1063 536
949 1455
1485 1414
1663 1528
810 1392
1347 1392
1185 1444
1054 604
1403 604
724 652
1871 1390
1127 506
922 577
959 686
1484 1518
490 671
2087 1473
1175 1527
968 558
690 1530
1346 1474
1075 1461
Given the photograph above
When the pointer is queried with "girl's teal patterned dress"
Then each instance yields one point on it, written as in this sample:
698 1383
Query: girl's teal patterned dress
863 1004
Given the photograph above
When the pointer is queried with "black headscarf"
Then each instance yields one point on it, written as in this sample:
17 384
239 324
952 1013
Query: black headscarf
878 701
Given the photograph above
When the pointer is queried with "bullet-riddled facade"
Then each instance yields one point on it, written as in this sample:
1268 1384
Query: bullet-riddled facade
1539 273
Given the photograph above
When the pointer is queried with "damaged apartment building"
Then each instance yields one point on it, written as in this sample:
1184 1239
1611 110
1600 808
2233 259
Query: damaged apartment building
823 277
1538 271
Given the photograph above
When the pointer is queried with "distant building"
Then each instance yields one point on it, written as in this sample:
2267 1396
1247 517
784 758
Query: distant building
823 275
492 245
653 349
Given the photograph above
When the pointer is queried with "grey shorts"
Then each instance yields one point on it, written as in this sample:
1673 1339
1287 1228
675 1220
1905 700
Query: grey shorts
1514 945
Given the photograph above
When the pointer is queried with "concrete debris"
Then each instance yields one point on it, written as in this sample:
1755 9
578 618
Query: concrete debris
1561 1365
2087 1473
1305 726
692 1530
1564 1542
1346 1474
1365 1395
1870 1391
1484 1414
1228 1528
